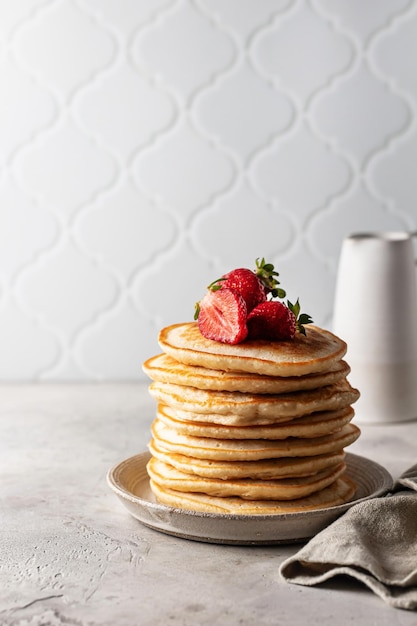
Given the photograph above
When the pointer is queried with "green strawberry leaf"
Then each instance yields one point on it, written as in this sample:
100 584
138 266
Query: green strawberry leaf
301 319
267 275
216 284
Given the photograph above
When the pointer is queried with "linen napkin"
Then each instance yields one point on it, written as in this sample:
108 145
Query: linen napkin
375 541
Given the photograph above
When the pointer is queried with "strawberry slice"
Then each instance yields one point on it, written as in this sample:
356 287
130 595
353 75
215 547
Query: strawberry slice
271 320
222 316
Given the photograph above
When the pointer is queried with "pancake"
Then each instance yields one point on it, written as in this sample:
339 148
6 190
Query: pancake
313 425
163 368
267 469
270 407
232 419
166 476
250 449
317 351
341 491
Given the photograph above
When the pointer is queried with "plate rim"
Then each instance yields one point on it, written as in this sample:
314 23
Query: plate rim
386 485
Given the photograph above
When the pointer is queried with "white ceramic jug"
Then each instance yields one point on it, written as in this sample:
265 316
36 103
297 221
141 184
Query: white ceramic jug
375 312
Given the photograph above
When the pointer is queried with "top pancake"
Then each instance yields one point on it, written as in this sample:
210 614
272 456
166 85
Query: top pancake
318 351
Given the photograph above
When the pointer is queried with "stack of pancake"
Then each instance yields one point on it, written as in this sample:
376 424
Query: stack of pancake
254 428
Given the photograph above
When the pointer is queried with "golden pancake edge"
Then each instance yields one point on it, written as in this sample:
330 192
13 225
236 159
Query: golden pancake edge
337 493
254 407
313 425
266 469
251 449
164 368
168 477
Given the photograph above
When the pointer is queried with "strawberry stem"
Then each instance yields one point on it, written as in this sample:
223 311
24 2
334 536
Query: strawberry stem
267 275
300 319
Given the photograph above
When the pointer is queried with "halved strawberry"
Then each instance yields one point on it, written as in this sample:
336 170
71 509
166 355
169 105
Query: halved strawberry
271 320
222 316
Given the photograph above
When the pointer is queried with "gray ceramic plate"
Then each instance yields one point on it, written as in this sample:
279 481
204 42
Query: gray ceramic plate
129 481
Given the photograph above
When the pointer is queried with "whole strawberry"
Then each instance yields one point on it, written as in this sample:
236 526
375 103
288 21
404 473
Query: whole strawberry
271 320
253 286
245 282
222 316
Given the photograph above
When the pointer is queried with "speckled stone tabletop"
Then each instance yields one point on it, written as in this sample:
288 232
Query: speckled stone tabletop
72 555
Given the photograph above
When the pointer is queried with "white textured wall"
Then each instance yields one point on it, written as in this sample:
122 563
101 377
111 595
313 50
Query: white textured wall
147 146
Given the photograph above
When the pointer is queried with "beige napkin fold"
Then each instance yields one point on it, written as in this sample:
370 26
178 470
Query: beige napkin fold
375 541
